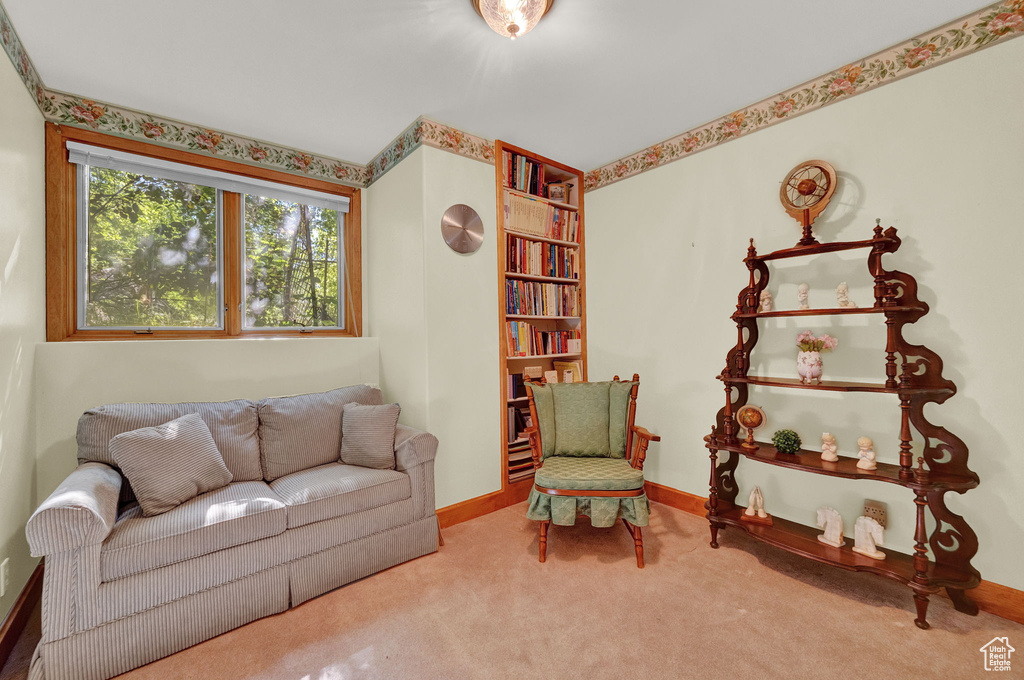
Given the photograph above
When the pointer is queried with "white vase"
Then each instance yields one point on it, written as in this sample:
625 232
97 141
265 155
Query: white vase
808 366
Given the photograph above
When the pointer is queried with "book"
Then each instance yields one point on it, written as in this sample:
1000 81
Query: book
575 367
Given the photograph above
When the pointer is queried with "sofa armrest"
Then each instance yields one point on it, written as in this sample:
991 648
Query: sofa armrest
81 512
413 447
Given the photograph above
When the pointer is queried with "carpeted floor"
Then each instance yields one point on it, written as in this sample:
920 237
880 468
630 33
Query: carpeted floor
483 607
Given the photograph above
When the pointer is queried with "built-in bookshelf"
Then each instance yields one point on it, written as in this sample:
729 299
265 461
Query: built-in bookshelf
542 282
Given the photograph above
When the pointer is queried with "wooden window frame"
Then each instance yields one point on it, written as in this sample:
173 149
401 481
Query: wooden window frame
62 256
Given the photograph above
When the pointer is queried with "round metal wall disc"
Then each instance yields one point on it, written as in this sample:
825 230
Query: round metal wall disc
462 228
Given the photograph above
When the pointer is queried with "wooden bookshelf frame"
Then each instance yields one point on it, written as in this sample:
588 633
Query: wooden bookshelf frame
514 492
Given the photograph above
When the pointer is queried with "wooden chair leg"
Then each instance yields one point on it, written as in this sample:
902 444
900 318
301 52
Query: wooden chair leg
440 538
638 542
544 540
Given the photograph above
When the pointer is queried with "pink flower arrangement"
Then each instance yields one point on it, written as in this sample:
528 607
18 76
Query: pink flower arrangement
808 343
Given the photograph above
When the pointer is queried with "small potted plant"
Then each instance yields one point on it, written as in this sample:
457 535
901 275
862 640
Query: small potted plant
786 441
808 361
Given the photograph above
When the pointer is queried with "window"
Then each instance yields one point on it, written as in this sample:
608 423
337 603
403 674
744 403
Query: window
147 242
292 256
149 255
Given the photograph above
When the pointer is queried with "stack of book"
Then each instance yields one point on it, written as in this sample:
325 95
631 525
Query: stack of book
533 298
522 173
541 259
520 462
531 216
524 340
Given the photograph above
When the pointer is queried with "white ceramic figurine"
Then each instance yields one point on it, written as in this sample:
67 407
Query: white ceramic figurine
843 296
831 521
755 506
766 301
802 292
867 533
829 450
866 453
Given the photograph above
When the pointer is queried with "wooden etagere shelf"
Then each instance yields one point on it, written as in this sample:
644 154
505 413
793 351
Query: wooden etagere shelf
911 372
553 231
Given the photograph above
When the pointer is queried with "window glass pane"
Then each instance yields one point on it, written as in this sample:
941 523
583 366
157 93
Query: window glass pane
151 252
291 264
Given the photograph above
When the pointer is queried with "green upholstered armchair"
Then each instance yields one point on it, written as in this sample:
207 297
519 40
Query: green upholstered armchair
589 457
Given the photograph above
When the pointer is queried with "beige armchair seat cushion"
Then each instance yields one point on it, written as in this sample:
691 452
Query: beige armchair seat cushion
335 489
238 513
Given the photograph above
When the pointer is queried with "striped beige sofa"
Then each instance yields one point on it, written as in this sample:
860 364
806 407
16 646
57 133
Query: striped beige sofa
121 589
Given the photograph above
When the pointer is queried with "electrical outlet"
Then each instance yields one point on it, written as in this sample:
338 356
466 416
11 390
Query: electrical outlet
875 510
5 576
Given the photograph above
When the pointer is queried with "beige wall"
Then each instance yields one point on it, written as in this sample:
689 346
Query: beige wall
435 314
940 156
21 315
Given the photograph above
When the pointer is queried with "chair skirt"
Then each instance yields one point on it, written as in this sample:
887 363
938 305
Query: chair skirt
602 511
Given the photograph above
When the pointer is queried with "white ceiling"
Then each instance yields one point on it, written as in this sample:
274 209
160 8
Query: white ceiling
596 80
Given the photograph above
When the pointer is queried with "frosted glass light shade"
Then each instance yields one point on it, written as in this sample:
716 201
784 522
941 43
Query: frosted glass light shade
512 18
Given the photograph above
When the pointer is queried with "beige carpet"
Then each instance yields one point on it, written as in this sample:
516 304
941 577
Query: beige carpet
484 607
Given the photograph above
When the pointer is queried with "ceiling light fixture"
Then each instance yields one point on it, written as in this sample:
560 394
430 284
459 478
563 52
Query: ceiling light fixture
512 18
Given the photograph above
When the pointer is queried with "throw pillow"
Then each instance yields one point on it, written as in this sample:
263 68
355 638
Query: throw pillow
171 463
368 435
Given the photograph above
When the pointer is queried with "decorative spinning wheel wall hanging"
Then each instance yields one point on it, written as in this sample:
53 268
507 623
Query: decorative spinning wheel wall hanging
806 192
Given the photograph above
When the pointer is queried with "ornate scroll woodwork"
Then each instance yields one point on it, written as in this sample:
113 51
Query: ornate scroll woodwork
914 374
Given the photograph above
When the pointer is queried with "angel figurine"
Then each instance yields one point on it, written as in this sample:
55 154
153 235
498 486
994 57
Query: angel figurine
866 453
802 292
829 450
843 296
766 301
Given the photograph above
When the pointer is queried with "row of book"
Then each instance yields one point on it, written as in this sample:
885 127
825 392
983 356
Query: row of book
522 173
516 386
524 340
518 421
534 298
532 216
537 258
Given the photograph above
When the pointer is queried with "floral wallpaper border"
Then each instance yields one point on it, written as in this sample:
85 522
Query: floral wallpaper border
995 23
432 133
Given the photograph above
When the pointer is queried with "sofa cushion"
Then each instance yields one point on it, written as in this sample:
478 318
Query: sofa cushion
588 474
336 489
239 513
232 424
368 435
304 431
169 464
